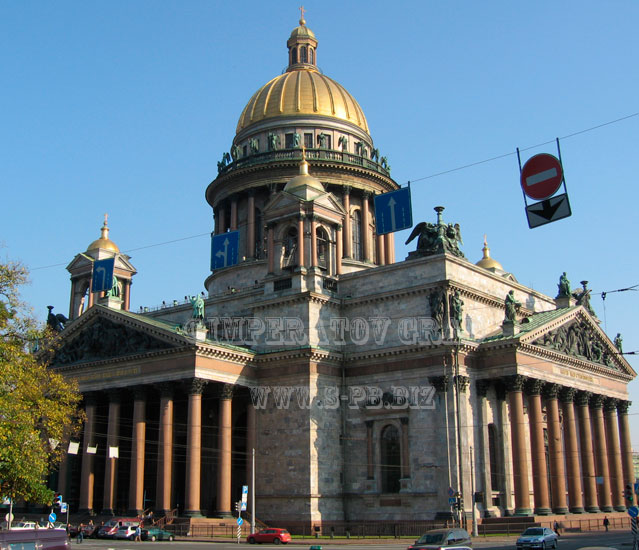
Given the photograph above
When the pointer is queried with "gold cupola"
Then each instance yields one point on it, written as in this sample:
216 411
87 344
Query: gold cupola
104 243
302 90
487 262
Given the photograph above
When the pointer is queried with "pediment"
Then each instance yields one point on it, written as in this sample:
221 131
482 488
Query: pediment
577 335
83 262
102 334
283 201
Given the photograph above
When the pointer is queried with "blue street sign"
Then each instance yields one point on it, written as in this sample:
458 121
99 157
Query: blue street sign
637 488
52 517
393 211
224 249
633 511
63 508
102 275
242 506
240 521
245 489
452 501
451 492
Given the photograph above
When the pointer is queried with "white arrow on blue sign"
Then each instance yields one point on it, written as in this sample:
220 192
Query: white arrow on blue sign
224 249
102 278
633 511
240 521
393 211
52 517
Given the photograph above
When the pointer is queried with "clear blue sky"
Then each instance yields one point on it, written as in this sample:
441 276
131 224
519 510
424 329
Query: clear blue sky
126 107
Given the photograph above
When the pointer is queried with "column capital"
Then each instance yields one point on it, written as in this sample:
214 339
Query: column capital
139 393
439 382
622 406
301 217
567 395
366 195
534 386
462 382
115 395
369 424
270 225
226 391
251 192
338 227
166 389
583 398
610 404
404 420
596 401
551 391
346 189
482 387
514 383
196 386
90 399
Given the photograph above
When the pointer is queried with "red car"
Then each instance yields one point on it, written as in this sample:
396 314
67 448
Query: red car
276 536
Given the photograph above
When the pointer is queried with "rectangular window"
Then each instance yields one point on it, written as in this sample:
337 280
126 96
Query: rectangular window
327 142
244 151
308 141
288 141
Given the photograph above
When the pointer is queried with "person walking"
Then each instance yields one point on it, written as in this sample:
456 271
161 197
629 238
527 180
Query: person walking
556 527
80 533
606 522
138 533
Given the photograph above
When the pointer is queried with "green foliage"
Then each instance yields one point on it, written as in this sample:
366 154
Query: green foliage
38 407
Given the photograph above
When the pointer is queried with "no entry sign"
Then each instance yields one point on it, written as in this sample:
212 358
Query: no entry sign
541 176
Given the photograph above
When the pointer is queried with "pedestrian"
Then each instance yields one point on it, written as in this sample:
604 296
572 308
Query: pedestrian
556 527
606 522
138 533
80 533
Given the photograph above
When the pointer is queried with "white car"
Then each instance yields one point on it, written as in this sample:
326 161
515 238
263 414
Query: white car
23 525
126 532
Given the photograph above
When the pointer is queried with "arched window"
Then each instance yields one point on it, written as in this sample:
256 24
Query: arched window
322 248
311 55
289 246
259 233
293 56
492 452
356 229
303 55
390 459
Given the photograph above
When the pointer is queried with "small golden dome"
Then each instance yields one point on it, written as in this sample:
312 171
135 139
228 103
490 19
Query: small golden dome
302 89
303 180
104 242
487 262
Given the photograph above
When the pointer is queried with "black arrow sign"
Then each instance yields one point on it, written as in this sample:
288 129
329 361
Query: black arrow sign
550 210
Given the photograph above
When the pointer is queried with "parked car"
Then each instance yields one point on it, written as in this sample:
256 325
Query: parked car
273 535
537 537
127 532
442 538
23 525
155 533
109 529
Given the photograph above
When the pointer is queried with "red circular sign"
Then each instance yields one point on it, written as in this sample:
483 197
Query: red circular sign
541 176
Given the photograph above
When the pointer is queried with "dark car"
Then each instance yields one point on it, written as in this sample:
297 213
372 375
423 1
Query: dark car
537 537
155 533
441 538
272 534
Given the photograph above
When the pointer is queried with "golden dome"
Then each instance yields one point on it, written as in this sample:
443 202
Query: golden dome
302 89
104 242
487 262
301 183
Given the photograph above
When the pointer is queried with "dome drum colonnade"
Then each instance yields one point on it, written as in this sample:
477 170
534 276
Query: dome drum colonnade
589 448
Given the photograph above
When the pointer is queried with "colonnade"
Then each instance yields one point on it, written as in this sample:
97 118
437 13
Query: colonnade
587 463
164 500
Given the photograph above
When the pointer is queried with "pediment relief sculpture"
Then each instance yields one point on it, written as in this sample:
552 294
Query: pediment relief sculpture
579 340
105 339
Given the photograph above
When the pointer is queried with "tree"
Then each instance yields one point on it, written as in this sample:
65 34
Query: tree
38 407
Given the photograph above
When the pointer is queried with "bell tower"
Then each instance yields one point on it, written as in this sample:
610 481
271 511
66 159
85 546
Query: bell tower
81 270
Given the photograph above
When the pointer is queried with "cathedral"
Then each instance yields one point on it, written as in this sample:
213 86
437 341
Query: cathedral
364 388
